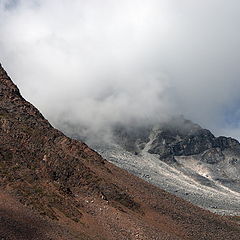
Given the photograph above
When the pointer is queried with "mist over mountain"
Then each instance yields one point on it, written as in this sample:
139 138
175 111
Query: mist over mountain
182 158
54 187
91 64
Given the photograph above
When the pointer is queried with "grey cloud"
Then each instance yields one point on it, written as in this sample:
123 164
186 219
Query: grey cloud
96 63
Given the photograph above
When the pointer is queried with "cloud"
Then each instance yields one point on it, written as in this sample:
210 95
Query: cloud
96 63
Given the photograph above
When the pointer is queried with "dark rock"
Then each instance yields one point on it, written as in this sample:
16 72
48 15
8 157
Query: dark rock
173 142
170 143
224 143
177 137
213 155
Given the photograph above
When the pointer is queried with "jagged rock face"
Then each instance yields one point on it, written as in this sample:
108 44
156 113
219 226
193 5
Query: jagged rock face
179 137
170 143
181 157
212 156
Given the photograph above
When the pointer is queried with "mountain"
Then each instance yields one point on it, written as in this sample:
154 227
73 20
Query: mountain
54 187
182 158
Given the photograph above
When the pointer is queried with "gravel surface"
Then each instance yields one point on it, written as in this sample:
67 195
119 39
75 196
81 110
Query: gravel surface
188 180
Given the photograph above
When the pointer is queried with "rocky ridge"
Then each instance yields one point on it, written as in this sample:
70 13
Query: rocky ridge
182 158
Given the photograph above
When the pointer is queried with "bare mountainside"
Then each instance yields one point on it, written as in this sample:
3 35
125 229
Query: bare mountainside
53 187
182 158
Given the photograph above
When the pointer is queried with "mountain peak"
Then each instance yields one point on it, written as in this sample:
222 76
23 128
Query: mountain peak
6 84
11 100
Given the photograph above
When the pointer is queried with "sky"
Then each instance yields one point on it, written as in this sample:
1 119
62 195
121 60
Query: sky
89 64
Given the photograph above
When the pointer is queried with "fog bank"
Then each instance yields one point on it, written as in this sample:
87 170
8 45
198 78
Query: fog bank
91 64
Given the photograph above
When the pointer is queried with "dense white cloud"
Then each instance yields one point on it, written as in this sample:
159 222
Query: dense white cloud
94 63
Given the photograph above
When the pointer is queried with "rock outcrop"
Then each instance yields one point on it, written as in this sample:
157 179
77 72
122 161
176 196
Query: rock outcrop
178 137
182 158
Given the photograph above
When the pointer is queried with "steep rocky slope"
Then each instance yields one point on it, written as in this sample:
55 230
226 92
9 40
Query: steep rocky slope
182 158
54 187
